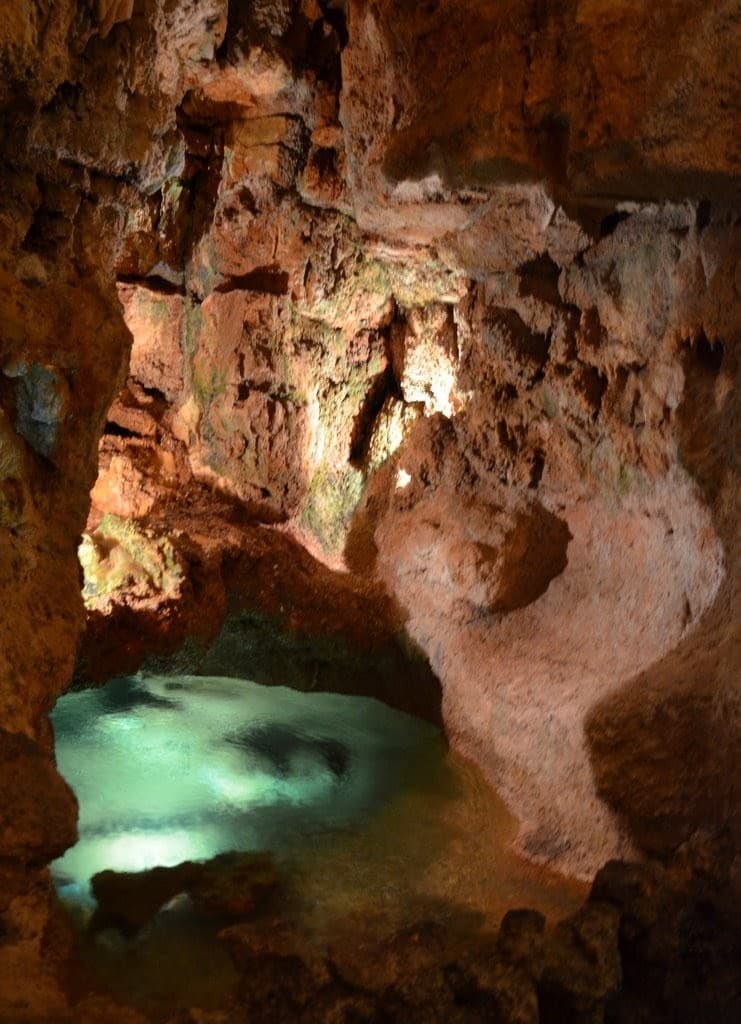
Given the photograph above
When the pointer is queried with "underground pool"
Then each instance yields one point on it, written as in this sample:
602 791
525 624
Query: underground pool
373 823
168 769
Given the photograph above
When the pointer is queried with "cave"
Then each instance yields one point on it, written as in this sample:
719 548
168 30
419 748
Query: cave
369 497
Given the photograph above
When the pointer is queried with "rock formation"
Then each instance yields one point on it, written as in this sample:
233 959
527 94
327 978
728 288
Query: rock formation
429 310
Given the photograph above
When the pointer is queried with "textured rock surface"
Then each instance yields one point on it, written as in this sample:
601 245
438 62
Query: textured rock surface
229 886
203 592
650 944
449 293
84 123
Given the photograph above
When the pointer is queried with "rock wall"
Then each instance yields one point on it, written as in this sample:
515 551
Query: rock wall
447 292
595 317
87 124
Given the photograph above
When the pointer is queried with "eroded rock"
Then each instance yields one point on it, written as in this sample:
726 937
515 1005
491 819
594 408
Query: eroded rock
448 292
231 886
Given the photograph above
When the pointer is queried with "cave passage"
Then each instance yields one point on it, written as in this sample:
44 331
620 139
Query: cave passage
174 768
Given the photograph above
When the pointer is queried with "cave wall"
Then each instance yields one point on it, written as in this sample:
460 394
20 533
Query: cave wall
603 301
87 125
447 292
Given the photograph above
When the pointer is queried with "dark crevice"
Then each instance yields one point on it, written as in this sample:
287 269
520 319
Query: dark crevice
113 429
506 438
324 161
268 388
609 223
530 347
265 280
247 200
203 139
536 471
154 283
380 389
153 393
592 385
49 229
539 279
67 94
591 330
335 15
303 43
709 353
704 214
129 175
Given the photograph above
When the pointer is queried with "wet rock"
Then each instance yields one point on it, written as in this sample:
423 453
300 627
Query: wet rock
236 886
680 939
231 886
277 988
513 995
540 204
128 900
521 941
634 890
582 968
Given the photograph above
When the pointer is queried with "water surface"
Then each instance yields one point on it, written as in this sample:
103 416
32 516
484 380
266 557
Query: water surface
168 769
375 825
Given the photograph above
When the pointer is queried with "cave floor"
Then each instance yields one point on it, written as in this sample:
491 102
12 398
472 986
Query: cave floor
378 831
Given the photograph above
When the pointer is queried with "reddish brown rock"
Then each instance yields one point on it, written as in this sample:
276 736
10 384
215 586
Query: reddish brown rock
37 820
230 887
449 292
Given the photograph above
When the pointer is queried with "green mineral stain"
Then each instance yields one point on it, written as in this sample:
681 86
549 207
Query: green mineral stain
332 499
208 386
119 554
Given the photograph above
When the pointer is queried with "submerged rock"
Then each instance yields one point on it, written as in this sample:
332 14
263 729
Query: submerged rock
231 886
680 936
521 941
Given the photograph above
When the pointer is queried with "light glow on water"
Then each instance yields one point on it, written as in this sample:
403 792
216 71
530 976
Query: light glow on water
168 769
141 850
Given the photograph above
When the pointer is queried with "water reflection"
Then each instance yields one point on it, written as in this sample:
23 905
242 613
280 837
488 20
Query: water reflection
375 825
170 769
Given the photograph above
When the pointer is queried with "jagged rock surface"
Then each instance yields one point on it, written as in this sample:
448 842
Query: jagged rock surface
449 293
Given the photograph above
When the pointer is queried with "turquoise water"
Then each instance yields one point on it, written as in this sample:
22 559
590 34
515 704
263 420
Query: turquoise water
168 769
375 824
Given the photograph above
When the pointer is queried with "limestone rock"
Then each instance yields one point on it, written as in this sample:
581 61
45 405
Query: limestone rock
109 12
582 966
448 292
230 886
37 817
521 941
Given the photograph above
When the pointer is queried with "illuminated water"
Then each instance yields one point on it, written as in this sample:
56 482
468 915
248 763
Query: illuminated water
374 824
182 768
